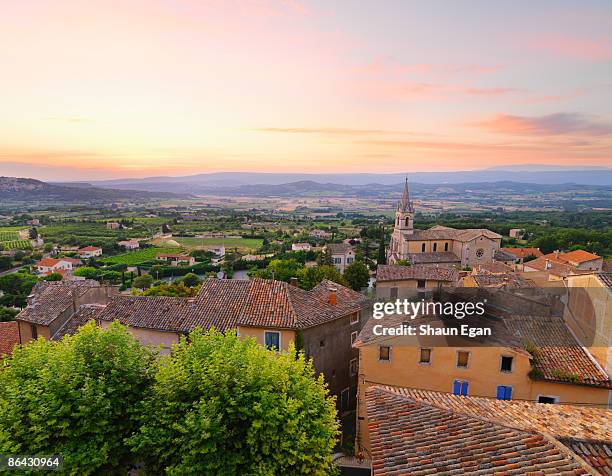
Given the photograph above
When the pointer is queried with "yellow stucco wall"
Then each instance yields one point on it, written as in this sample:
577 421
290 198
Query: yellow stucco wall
483 374
286 338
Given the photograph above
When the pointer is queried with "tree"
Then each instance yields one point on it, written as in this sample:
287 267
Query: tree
87 272
165 228
191 279
143 282
280 269
75 398
112 277
382 257
403 262
308 278
7 314
53 277
225 405
357 275
326 257
5 262
33 233
174 290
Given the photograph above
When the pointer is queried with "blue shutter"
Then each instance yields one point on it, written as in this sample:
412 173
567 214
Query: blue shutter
456 387
500 392
508 394
272 340
464 388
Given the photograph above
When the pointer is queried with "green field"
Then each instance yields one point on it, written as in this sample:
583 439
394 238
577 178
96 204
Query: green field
243 244
8 235
134 258
16 245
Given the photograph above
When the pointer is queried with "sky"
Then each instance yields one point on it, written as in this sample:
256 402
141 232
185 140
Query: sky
134 88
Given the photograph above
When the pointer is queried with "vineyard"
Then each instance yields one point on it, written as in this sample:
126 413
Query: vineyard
135 258
8 236
16 245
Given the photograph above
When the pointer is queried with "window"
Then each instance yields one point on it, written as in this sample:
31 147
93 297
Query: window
384 353
420 283
460 387
506 364
407 221
353 337
393 293
445 246
463 358
349 260
344 399
34 331
547 399
322 343
435 247
504 392
337 260
425 357
272 340
423 248
479 253
355 317
353 367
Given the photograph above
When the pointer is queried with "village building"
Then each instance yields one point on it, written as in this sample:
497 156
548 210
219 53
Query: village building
342 255
533 358
411 431
394 282
113 225
47 266
90 252
129 244
176 259
471 246
322 234
520 254
323 322
446 259
516 233
557 266
301 247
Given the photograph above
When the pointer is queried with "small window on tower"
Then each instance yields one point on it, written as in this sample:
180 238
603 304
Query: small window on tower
423 248
445 246
435 248
407 219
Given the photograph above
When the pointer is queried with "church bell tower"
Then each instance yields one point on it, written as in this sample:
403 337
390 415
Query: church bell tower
404 227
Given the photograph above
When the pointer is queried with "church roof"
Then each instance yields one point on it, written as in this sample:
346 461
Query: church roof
447 233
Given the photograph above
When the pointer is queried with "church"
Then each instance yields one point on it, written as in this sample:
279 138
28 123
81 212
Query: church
438 245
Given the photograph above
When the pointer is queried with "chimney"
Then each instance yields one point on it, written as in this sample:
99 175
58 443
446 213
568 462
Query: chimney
293 281
333 296
547 266
556 254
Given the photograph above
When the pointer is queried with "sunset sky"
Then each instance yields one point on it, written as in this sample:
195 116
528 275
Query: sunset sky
117 88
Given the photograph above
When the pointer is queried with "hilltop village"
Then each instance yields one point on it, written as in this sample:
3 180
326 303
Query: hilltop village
532 396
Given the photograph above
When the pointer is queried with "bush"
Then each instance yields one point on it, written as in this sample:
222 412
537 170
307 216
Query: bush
143 282
75 398
223 405
357 275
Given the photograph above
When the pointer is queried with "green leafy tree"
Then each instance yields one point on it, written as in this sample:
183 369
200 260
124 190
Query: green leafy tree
143 282
403 262
308 278
87 272
225 405
357 275
7 314
75 398
112 277
174 290
5 262
33 233
53 277
191 279
325 259
280 269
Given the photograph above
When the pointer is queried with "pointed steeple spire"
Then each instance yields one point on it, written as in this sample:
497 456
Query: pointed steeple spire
405 205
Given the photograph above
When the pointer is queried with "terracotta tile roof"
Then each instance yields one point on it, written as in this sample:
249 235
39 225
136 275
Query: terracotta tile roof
447 233
554 267
494 267
558 355
49 299
499 280
347 300
90 248
85 313
399 273
597 454
50 262
434 257
409 436
524 252
561 421
577 256
338 248
9 337
228 303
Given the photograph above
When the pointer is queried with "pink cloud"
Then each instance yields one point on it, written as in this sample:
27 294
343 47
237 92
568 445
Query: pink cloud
548 125
573 47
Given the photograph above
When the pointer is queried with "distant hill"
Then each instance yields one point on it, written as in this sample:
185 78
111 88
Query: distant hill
532 174
16 189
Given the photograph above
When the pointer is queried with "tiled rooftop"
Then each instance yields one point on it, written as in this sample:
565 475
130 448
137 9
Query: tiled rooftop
523 252
434 257
423 432
410 436
49 299
85 313
398 273
9 337
338 248
559 357
447 233
498 280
